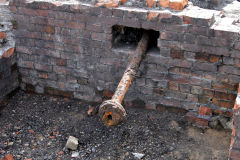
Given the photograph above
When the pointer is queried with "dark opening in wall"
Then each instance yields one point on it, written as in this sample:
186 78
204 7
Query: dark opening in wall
123 36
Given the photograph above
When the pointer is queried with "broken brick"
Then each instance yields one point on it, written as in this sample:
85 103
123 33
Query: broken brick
177 4
8 53
204 111
8 157
151 3
164 3
3 35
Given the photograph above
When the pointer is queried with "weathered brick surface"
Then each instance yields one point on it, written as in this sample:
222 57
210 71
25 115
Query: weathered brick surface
8 61
234 152
67 49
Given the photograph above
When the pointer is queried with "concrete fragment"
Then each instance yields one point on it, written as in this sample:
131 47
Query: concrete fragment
138 155
72 143
225 123
75 155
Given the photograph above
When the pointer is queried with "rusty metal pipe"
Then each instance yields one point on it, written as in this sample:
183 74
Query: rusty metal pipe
112 112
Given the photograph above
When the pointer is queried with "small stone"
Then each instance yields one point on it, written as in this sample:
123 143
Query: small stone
10 143
93 149
8 157
18 156
225 123
75 155
171 148
72 143
138 155
26 145
99 88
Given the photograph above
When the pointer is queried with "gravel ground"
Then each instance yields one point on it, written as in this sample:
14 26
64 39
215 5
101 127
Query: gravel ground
37 127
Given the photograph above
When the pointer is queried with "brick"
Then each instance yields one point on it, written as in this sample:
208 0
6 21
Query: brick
52 91
173 86
42 67
151 3
61 62
167 35
187 20
237 46
191 47
26 64
50 29
184 88
76 25
180 63
178 78
23 49
109 3
159 91
221 103
204 67
220 112
189 38
204 111
229 69
43 75
221 51
60 70
27 11
194 119
177 54
208 92
235 53
177 4
43 13
165 52
224 96
39 20
224 86
164 3
189 56
3 35
99 36
192 98
196 90
214 59
204 99
123 1
202 57
153 15
8 53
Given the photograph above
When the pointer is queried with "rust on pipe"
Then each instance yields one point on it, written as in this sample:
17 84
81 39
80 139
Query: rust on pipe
112 112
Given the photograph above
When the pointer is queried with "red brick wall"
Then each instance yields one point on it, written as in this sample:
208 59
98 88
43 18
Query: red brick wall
66 49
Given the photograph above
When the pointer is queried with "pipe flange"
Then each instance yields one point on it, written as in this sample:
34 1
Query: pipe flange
112 113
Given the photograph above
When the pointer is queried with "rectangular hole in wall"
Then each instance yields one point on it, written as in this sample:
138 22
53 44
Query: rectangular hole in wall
128 37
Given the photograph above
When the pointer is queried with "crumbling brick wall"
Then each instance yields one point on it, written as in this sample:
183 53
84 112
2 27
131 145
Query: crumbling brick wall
66 49
8 66
234 152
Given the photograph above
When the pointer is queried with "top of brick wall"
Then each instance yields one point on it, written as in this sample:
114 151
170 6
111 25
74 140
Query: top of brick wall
172 4
190 14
